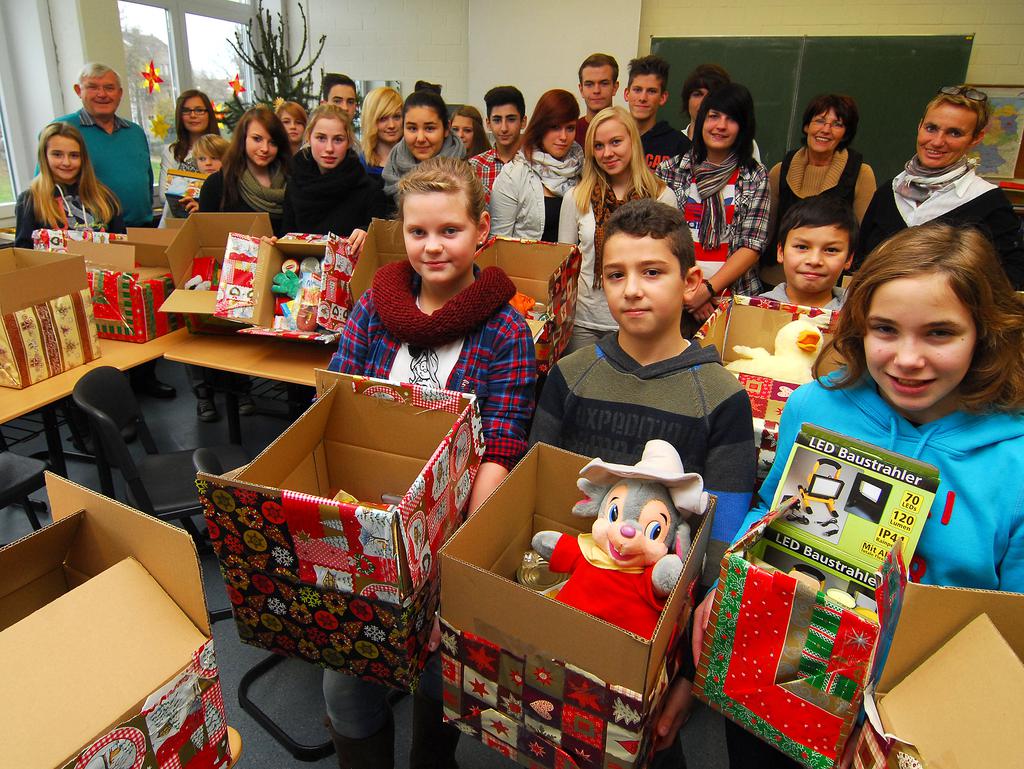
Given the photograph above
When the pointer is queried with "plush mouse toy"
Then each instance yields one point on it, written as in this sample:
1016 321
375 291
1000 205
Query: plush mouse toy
625 568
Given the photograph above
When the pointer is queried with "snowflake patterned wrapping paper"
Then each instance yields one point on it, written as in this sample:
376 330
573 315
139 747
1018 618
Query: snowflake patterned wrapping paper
514 673
754 321
349 586
786 662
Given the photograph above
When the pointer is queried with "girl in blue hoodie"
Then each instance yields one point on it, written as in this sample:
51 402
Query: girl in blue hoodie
933 336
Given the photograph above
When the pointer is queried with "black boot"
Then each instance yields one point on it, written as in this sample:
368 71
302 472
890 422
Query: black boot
433 741
374 752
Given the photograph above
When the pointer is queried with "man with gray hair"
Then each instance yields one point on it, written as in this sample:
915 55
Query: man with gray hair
117 147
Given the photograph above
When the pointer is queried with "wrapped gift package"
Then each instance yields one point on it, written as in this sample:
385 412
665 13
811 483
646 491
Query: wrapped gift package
328 540
788 661
105 643
245 293
57 241
541 682
754 322
46 316
129 280
545 272
949 692
195 256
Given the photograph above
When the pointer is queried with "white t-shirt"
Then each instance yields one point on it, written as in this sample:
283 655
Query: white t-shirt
431 366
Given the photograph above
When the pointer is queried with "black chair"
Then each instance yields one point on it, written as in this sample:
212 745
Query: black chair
206 461
161 484
19 477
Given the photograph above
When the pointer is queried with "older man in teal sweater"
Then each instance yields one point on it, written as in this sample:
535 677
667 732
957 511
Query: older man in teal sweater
117 147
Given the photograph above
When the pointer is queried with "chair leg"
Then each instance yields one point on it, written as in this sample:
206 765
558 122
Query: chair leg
30 511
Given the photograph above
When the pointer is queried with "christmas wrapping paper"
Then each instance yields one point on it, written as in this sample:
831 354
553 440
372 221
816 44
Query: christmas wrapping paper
544 712
56 241
125 305
351 587
180 726
785 662
47 339
767 396
235 297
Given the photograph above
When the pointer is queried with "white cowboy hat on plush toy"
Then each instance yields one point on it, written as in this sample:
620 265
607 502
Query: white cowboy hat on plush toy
623 571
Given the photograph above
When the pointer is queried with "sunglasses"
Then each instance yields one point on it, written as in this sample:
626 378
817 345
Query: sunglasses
966 91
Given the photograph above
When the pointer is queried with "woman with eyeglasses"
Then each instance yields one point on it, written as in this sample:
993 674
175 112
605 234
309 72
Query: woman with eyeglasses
826 164
193 117
939 183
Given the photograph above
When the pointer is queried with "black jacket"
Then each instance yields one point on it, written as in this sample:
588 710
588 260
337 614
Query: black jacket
663 141
339 201
991 212
212 193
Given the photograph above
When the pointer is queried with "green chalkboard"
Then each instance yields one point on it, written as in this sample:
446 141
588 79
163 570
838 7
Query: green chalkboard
892 78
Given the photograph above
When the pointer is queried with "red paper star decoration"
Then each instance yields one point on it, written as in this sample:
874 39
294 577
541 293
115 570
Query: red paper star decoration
236 84
152 77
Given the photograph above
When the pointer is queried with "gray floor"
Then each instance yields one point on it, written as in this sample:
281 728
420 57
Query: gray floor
291 692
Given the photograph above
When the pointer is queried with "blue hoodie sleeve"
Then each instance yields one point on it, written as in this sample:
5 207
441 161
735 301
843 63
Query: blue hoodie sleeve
1011 568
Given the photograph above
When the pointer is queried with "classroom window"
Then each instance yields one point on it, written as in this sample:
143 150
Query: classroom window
145 31
7 190
214 62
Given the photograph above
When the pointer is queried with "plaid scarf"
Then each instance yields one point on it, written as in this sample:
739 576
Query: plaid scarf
710 180
603 206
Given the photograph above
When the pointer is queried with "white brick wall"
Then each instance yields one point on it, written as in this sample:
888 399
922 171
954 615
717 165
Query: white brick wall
998 25
401 40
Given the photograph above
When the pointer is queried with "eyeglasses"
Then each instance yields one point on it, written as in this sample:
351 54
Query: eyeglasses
822 123
966 91
197 111
105 87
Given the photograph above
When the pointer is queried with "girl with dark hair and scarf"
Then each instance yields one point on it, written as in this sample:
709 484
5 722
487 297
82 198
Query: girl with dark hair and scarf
723 192
328 188
425 134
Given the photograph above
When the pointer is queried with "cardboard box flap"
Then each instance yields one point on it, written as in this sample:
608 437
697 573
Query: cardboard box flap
112 641
112 531
183 300
31 277
157 236
119 256
30 570
963 701
384 244
930 615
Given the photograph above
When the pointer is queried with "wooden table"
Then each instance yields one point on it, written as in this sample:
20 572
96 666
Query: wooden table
43 395
283 360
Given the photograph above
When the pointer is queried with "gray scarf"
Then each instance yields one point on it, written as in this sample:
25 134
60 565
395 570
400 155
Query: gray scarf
921 183
559 176
260 198
401 161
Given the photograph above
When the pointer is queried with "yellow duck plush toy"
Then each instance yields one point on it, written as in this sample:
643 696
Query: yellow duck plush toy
796 346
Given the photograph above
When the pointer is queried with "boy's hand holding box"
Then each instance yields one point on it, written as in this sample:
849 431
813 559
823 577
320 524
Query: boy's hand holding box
349 585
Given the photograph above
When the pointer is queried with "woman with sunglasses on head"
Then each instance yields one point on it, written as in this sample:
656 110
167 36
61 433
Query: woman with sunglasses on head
193 117
939 183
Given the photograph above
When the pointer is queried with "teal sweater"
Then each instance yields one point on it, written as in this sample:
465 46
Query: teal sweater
122 162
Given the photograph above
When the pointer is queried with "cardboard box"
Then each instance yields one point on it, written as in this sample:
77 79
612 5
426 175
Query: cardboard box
205 235
785 661
539 681
255 305
351 587
105 643
47 324
949 692
129 280
754 322
548 272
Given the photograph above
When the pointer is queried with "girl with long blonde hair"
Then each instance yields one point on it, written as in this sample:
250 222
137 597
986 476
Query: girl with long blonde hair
382 126
65 194
614 172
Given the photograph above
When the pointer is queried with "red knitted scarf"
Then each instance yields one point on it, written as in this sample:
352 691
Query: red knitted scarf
462 314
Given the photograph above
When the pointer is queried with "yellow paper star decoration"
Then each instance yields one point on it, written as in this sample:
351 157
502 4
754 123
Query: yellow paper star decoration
278 102
158 126
236 84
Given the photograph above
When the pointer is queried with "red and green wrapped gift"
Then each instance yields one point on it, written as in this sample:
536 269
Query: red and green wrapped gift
126 305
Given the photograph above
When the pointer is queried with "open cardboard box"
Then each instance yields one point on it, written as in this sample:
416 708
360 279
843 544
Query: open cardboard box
754 322
205 235
366 572
35 288
105 642
547 272
129 280
516 662
949 694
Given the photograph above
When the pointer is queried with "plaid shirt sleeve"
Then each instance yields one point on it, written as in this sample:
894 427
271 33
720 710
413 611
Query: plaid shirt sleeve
357 354
500 366
486 170
750 223
675 172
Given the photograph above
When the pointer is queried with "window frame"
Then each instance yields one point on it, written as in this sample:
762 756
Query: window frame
11 118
